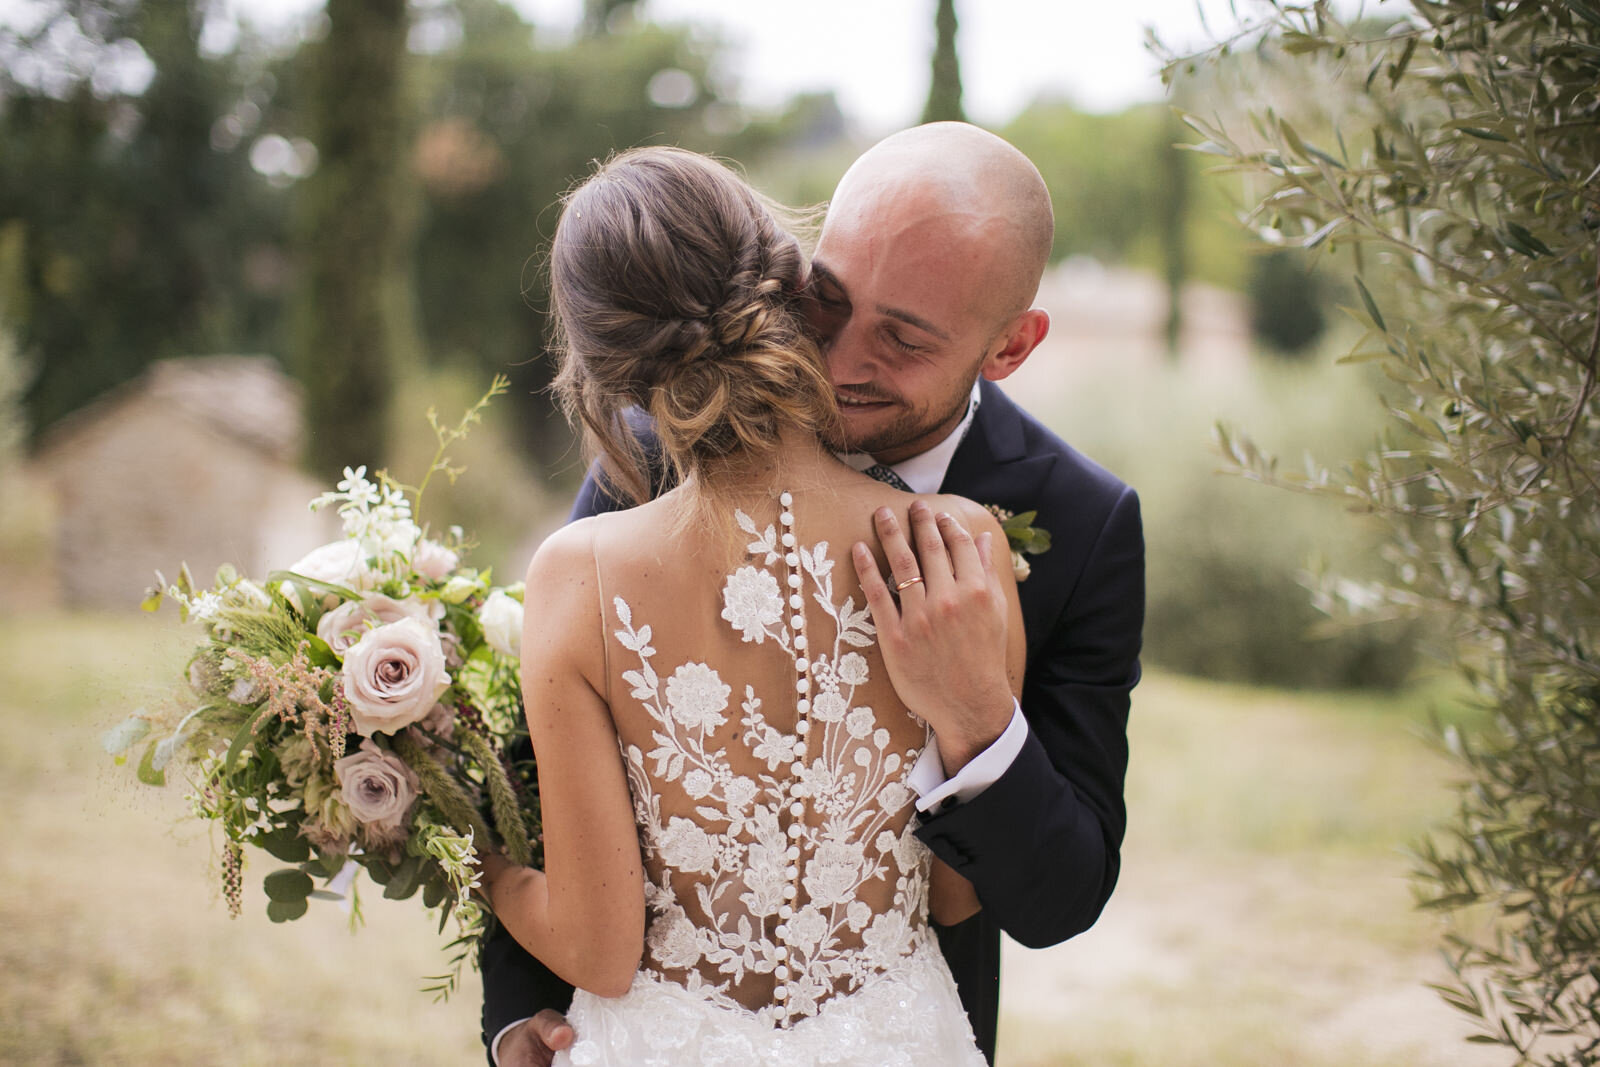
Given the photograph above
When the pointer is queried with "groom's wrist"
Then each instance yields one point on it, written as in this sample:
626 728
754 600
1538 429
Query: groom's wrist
937 791
962 742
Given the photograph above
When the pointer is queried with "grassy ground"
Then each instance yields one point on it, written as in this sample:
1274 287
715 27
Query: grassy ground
1262 916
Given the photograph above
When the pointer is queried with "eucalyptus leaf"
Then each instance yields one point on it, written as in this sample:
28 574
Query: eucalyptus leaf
282 911
288 884
407 878
285 844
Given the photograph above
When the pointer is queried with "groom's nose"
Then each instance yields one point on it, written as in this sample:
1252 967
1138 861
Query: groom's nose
848 357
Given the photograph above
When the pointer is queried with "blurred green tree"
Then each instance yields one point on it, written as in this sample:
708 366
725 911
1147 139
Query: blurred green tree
140 238
354 326
944 90
601 16
1471 206
1173 208
507 126
1118 196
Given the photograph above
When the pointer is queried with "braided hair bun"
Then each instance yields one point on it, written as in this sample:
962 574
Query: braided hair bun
675 292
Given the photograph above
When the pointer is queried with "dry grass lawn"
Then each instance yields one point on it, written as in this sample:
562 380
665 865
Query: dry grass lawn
1263 918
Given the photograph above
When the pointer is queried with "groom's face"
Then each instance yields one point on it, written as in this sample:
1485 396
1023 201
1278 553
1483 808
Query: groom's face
897 299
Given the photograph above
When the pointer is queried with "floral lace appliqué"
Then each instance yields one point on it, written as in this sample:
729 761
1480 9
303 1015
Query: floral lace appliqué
795 831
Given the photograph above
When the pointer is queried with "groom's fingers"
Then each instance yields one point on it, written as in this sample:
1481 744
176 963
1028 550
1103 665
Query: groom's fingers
553 1029
534 1042
903 565
932 557
964 559
885 613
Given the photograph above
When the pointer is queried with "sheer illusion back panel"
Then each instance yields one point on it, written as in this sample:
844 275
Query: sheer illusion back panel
766 750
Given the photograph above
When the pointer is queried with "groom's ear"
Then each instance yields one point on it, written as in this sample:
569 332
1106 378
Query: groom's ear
1014 346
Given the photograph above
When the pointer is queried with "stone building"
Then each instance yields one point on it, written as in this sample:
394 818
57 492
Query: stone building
193 462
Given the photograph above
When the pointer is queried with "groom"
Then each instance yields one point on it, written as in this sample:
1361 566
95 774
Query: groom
923 282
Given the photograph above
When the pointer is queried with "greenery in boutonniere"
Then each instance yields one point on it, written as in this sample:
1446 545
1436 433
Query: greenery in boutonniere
1023 538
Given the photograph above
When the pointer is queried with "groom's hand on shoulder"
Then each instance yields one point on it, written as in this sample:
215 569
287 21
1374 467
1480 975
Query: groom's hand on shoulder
944 636
534 1042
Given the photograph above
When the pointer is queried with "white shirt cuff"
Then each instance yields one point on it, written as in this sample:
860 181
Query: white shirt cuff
935 791
494 1046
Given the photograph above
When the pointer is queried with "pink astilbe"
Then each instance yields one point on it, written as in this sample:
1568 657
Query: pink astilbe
293 694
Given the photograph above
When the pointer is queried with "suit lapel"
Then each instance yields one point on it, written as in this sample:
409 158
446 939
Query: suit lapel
993 467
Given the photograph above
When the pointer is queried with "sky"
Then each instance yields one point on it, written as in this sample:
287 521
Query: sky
874 54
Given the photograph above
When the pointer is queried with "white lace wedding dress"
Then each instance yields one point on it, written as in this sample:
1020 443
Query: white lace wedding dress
787 897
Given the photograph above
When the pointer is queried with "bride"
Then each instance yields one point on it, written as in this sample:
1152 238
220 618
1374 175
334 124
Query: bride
731 874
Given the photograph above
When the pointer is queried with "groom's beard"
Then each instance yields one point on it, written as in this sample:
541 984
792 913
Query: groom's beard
901 423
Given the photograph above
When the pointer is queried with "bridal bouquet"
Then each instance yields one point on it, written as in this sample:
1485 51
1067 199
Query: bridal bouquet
356 711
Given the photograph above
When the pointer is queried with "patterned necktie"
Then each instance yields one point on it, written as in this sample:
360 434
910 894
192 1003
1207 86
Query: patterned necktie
887 476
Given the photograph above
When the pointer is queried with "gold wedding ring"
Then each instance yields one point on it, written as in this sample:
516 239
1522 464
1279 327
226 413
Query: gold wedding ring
907 583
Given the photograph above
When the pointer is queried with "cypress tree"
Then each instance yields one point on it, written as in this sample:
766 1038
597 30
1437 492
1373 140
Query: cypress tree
944 93
353 325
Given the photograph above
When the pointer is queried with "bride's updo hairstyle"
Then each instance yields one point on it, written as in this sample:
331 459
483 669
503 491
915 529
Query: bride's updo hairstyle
675 291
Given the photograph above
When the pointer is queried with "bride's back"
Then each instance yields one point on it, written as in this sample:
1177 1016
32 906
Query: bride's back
766 750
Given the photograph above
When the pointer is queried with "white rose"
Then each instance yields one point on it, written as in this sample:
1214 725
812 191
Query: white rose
432 560
378 787
337 563
501 619
344 625
1020 567
394 675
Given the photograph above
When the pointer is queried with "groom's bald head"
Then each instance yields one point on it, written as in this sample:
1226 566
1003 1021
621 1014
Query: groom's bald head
987 196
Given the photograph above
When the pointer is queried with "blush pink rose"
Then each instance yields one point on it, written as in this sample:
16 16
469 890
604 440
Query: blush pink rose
378 788
433 561
337 563
345 624
394 675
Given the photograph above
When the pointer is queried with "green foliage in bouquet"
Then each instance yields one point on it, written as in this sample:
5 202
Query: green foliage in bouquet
1461 173
359 710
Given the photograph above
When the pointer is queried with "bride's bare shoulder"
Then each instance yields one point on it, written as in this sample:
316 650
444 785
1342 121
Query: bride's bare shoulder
568 547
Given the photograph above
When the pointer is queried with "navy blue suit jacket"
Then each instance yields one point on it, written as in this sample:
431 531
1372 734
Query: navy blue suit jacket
1042 844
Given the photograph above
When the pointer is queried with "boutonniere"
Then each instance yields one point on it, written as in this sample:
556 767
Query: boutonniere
1022 537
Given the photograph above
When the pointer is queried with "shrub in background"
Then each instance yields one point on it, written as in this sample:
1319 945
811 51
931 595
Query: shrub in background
1227 560
1467 181
1286 302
